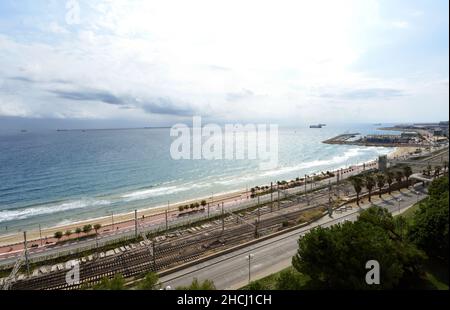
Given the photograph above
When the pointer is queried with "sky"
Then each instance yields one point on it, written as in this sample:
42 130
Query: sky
109 63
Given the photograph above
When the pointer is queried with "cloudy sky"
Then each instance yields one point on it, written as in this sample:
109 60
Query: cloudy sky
126 63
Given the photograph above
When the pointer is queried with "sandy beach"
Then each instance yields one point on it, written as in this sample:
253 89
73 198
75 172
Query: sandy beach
401 152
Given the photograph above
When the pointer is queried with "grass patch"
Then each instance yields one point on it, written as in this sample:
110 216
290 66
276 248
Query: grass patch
270 282
310 215
409 214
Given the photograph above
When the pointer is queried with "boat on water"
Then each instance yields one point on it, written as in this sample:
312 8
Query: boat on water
315 126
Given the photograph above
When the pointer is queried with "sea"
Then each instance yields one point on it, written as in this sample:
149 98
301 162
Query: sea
50 177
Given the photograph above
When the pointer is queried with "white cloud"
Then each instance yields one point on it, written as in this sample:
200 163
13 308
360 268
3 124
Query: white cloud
199 54
400 24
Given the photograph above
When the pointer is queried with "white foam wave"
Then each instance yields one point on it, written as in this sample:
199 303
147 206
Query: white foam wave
354 152
20 214
160 191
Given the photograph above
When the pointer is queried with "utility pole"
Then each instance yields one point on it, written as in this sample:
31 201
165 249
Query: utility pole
278 193
96 243
208 209
26 252
40 234
135 224
330 208
154 255
259 213
167 225
271 196
167 216
256 228
112 219
249 258
223 220
305 184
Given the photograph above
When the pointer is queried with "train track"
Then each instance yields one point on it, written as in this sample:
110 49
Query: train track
168 253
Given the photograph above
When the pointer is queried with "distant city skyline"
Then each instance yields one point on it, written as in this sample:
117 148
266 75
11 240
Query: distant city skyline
106 64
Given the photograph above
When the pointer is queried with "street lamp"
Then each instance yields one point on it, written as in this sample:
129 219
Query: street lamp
249 258
398 200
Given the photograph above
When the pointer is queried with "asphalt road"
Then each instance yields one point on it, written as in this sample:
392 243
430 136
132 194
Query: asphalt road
231 271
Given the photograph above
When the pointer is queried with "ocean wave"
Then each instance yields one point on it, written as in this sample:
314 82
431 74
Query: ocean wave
160 191
335 160
20 214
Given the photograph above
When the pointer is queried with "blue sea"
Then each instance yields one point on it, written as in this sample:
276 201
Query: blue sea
51 177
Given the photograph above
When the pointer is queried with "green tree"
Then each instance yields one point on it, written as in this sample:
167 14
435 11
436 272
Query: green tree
428 170
203 203
370 184
256 286
389 179
97 227
407 171
58 235
437 170
335 257
380 182
399 176
116 283
357 183
87 228
150 282
78 231
429 230
289 280
68 233
196 285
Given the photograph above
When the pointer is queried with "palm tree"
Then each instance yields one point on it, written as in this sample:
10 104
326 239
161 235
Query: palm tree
58 235
428 170
78 231
357 183
150 282
389 179
407 171
97 227
399 177
380 182
370 183
87 228
68 233
437 169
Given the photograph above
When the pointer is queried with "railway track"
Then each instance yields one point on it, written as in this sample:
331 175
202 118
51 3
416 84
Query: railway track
168 253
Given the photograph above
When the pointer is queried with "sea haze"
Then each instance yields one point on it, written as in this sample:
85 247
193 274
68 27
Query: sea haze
51 177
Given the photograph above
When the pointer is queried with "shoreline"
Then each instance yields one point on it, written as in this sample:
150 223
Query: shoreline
106 221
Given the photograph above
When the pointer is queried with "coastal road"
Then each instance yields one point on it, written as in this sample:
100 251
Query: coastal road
230 271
